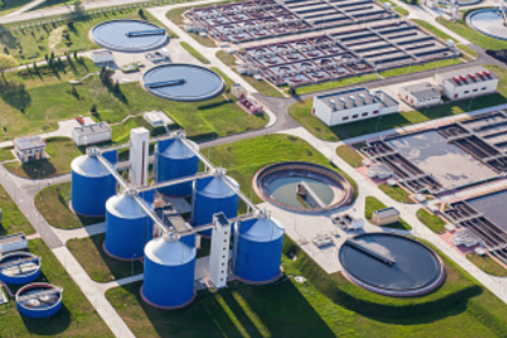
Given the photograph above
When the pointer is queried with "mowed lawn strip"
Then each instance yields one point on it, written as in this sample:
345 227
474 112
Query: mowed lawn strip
53 203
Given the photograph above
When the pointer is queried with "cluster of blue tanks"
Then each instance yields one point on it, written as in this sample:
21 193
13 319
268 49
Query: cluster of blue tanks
169 261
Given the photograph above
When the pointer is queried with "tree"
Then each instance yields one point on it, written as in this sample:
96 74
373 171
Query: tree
6 62
78 8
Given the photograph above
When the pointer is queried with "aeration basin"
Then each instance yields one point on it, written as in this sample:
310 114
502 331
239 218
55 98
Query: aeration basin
302 186
19 268
183 82
391 265
129 35
39 300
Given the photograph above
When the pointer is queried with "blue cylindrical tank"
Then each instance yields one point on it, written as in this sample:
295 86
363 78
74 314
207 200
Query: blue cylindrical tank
175 160
19 268
39 300
212 195
128 227
169 269
92 185
257 250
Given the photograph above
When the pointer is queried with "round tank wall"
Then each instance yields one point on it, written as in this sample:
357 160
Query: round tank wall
42 311
212 195
92 185
175 160
128 228
258 250
169 269
20 277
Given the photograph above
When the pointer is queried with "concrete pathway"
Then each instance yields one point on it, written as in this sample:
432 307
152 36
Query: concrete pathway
93 293
25 8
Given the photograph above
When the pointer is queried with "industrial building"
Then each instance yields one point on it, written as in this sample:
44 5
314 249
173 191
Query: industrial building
467 83
385 216
352 105
419 95
135 230
92 134
30 148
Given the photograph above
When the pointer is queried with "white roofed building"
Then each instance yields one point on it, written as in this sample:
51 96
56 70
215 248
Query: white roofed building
30 148
92 134
469 82
352 105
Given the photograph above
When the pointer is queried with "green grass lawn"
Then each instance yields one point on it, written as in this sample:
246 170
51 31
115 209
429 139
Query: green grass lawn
420 67
373 204
31 105
244 158
301 112
263 87
61 151
99 266
53 203
324 306
13 220
487 264
460 27
350 156
6 154
77 318
194 52
397 193
31 44
336 83
226 58
435 223
9 6
102 268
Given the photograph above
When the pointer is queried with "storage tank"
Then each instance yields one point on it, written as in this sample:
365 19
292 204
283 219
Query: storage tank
128 227
39 300
212 195
175 160
169 269
257 249
92 185
19 268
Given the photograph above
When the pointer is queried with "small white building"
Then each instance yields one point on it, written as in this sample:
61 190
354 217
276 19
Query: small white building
92 134
102 56
422 94
352 105
468 82
238 91
157 119
30 148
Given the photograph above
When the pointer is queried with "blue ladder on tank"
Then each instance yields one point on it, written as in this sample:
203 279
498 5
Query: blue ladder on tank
162 84
146 32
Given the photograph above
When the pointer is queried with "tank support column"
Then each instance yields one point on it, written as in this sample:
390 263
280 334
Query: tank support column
219 255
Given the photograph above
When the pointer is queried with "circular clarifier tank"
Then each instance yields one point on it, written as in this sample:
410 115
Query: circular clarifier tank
391 265
129 35
183 82
39 300
301 186
19 268
489 22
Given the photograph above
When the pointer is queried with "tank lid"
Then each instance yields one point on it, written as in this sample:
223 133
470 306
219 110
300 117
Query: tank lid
90 166
179 150
217 187
124 206
264 229
169 251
